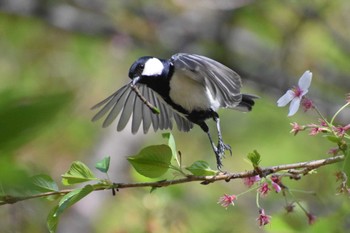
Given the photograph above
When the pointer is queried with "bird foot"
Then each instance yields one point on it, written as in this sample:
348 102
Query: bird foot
220 153
222 147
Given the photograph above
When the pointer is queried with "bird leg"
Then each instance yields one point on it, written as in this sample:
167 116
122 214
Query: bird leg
221 147
218 156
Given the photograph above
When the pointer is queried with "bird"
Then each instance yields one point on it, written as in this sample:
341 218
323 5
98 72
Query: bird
187 89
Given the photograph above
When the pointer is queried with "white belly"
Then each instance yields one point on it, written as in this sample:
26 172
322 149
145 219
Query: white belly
191 95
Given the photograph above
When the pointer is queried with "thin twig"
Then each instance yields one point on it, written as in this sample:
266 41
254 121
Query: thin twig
144 100
289 168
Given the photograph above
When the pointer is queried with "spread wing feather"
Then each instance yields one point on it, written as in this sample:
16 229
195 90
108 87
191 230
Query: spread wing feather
124 102
146 113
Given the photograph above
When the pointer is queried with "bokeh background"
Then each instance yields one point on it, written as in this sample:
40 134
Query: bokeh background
58 58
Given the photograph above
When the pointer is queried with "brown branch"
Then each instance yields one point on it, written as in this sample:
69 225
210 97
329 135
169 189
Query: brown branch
293 170
144 100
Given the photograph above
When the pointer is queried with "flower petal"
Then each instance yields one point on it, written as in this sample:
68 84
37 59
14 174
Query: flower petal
285 99
305 81
276 187
294 106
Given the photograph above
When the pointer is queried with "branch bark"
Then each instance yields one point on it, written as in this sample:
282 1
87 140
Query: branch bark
294 170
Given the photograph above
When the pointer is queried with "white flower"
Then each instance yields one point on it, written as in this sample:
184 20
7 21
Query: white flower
295 95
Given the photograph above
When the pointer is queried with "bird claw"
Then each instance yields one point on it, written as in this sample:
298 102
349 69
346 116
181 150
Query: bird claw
222 147
220 153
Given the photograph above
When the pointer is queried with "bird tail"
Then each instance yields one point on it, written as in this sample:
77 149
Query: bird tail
246 103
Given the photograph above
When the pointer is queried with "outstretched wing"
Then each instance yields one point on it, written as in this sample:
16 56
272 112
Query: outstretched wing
125 102
223 83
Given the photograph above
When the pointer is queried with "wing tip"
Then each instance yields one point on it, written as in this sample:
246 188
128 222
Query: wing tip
247 102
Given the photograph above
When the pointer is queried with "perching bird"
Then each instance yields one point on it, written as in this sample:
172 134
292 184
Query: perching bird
188 88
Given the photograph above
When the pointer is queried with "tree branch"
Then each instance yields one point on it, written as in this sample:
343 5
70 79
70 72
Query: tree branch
294 170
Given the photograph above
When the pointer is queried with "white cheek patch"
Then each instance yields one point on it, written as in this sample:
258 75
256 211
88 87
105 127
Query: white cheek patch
153 66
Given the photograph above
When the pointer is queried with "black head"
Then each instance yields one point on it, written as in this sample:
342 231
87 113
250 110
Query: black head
146 67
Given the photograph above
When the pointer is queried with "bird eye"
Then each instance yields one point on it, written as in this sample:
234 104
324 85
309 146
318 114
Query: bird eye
139 69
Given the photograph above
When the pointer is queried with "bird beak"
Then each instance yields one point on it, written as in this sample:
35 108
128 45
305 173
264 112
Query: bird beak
135 80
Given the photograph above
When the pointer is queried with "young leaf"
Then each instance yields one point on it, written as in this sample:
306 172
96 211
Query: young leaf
201 168
78 173
152 161
171 143
66 201
52 220
73 197
44 183
103 165
333 138
254 157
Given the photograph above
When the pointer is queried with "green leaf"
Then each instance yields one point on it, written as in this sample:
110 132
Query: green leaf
73 197
201 168
103 165
333 138
152 161
78 173
255 158
52 220
44 183
171 143
66 201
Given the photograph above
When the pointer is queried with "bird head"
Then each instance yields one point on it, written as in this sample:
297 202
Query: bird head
144 68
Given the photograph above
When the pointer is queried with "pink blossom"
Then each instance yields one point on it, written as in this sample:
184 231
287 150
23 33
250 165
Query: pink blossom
341 130
315 130
311 218
323 123
264 189
290 207
276 179
276 183
276 187
227 200
249 181
307 104
295 95
263 219
333 151
296 128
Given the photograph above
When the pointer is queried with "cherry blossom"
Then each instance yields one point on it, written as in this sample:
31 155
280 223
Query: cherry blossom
295 95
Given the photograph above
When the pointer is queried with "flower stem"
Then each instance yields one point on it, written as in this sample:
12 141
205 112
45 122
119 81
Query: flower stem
296 201
257 200
247 191
322 117
303 191
340 109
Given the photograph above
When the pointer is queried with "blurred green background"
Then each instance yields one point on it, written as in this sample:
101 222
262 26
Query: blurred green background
58 58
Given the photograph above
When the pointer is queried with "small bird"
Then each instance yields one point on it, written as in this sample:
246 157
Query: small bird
188 88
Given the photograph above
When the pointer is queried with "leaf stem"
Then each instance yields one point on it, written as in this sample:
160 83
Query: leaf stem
178 169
